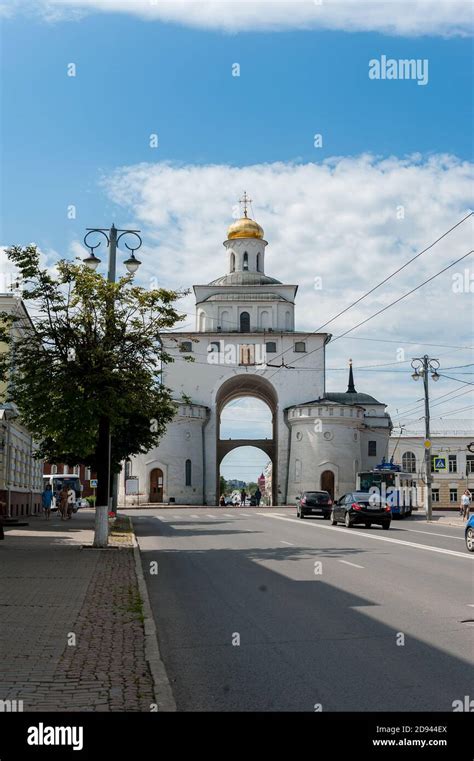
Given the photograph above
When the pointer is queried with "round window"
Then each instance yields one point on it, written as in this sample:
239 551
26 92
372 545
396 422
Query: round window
299 436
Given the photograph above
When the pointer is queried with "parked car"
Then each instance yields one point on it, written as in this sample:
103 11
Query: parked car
469 534
314 503
361 507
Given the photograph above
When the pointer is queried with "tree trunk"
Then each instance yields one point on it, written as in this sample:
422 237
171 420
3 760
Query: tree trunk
102 458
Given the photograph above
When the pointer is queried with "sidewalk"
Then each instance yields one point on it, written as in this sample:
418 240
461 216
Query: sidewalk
71 621
445 518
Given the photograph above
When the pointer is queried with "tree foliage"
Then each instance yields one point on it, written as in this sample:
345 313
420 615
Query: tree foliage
223 485
94 349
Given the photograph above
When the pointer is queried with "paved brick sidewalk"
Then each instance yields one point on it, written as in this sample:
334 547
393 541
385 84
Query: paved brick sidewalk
54 593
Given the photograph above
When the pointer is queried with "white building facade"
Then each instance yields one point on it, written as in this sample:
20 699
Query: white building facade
245 344
21 480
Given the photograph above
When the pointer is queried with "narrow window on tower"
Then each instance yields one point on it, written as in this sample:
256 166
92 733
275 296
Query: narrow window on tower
245 322
232 262
246 261
247 354
372 449
188 468
258 263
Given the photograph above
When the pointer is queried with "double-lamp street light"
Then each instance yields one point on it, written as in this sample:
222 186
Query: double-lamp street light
422 368
112 236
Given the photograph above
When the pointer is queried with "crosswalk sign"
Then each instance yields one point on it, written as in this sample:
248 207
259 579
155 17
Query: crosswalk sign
439 463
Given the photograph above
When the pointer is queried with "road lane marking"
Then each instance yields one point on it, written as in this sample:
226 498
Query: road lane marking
430 533
177 517
288 543
346 562
211 516
417 546
227 515
194 516
247 515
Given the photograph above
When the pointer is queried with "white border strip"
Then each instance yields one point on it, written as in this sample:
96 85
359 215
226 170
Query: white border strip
428 547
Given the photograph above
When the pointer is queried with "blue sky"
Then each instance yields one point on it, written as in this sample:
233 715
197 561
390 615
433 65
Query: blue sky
136 77
84 140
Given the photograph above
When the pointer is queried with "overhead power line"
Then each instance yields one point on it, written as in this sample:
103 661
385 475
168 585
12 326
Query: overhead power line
385 280
459 380
384 309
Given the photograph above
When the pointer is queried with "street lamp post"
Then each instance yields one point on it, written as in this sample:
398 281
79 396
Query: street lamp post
112 236
422 366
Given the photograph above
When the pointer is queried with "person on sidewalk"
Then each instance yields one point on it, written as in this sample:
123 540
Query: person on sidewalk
258 496
63 500
46 501
466 504
243 497
3 512
71 501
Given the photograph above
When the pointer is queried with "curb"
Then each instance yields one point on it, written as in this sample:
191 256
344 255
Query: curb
161 686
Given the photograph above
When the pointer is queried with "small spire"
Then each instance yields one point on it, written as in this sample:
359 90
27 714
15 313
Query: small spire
245 200
351 387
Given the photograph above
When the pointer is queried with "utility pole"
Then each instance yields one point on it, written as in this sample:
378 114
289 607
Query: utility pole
422 366
107 496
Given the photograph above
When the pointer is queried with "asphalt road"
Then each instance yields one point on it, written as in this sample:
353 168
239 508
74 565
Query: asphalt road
259 611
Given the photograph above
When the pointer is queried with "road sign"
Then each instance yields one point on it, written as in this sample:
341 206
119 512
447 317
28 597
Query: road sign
93 483
439 463
131 485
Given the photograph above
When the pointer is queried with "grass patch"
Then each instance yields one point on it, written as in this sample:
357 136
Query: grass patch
134 605
121 530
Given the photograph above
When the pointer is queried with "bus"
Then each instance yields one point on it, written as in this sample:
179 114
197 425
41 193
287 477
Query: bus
393 485
57 482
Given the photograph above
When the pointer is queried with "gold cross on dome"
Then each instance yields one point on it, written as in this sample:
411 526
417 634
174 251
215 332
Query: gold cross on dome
245 200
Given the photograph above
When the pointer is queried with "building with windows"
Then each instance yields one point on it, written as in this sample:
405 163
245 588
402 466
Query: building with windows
451 452
245 344
20 471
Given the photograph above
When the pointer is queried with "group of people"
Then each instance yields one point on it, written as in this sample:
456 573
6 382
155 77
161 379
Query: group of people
255 499
65 501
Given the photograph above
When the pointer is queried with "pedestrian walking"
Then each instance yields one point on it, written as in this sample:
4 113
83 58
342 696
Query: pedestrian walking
243 497
258 497
63 501
71 501
3 512
466 504
46 501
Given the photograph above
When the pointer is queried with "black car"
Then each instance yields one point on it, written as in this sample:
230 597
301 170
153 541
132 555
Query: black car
361 507
314 503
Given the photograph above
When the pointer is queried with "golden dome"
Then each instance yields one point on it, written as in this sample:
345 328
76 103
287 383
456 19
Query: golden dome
245 228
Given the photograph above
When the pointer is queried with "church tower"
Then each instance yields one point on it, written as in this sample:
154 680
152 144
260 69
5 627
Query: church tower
245 300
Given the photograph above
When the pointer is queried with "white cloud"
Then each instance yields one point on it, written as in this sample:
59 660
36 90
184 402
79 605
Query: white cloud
336 220
398 17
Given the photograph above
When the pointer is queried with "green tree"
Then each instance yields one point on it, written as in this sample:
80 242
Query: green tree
252 487
89 363
223 485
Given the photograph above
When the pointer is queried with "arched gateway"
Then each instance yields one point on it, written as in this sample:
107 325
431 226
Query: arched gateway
245 344
259 388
